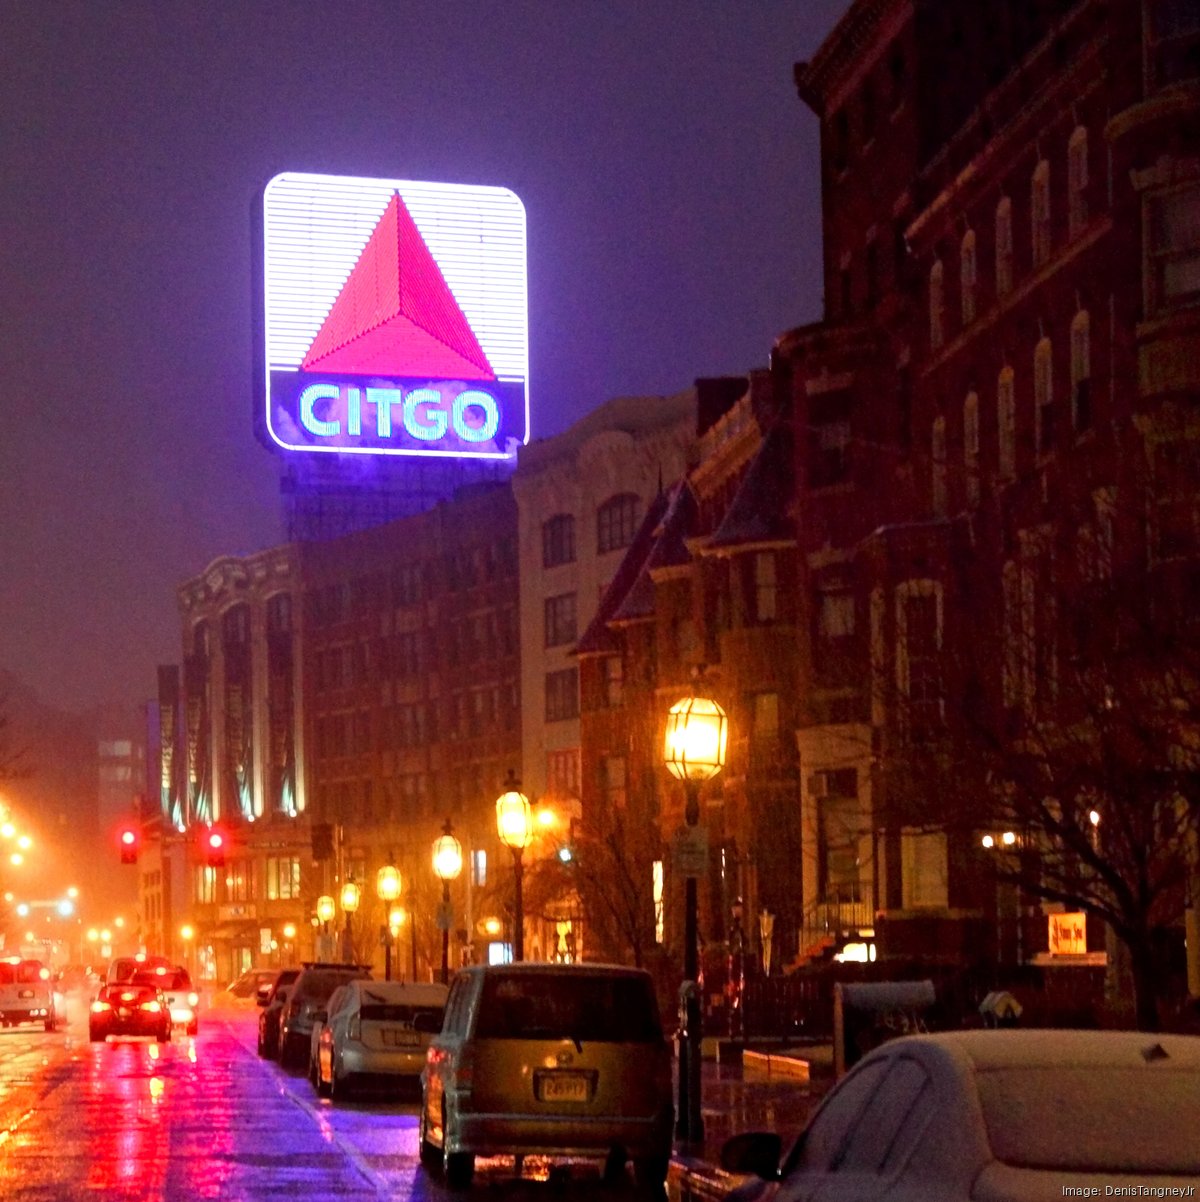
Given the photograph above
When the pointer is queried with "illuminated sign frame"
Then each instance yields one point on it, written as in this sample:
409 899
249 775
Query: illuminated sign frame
394 318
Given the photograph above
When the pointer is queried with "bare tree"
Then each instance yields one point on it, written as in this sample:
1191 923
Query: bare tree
1076 729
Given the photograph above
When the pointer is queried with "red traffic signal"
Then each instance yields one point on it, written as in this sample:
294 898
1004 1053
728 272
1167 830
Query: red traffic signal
129 840
214 848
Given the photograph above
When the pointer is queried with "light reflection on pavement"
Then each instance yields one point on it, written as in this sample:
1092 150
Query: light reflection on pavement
204 1118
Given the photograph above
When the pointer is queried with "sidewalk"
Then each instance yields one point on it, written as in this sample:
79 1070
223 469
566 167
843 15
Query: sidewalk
769 1091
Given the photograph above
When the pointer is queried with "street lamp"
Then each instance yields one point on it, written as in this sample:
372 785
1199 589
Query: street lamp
388 883
514 821
447 864
326 908
693 751
351 896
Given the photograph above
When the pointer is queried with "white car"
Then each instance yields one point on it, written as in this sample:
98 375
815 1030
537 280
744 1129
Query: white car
993 1116
27 994
375 1033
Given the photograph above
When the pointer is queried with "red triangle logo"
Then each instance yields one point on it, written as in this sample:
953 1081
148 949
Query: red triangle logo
396 315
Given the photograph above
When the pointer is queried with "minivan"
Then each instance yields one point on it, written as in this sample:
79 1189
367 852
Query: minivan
559 1060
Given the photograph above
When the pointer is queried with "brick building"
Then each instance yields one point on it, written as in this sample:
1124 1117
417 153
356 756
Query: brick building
992 439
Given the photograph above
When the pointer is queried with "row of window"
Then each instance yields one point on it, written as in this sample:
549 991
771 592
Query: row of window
1040 239
1049 416
410 583
616 524
244 879
407 654
416 725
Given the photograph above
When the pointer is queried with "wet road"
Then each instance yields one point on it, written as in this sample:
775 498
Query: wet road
204 1118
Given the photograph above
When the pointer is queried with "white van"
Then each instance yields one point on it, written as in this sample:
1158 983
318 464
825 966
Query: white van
26 993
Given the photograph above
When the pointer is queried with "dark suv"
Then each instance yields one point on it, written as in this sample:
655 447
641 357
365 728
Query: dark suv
273 1002
312 989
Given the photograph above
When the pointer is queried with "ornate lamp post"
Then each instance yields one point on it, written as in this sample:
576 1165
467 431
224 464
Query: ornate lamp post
388 883
351 896
693 751
447 864
514 821
326 908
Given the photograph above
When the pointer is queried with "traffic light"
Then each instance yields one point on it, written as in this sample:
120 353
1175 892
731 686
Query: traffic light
129 840
214 848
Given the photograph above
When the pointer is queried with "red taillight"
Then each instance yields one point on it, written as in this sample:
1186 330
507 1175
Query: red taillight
464 1071
98 1006
153 1007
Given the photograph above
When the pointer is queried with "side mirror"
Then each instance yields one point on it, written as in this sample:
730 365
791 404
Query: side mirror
281 996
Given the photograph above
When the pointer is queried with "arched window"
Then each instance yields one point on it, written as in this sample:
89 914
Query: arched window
1081 372
1039 213
558 540
937 306
937 455
1043 396
1004 247
967 274
1077 181
971 446
1006 425
616 522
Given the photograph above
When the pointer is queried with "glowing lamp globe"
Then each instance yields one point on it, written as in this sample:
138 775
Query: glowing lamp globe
447 857
514 817
697 732
325 908
388 883
351 895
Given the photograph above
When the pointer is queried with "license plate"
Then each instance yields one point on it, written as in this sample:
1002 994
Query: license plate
564 1087
394 1037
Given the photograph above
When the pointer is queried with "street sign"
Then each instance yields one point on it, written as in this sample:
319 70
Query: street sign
689 851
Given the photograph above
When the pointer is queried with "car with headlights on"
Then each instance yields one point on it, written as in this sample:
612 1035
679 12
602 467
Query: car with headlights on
559 1060
129 1009
993 1116
309 993
374 1034
183 1002
27 994
272 998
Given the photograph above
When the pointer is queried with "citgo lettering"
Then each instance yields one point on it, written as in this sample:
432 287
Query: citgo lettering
423 412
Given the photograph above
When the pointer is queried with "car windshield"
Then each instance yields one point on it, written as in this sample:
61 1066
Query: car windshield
1047 1118
130 995
320 983
27 972
596 1008
163 980
394 1012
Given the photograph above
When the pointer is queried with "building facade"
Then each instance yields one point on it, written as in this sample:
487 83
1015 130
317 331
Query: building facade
232 758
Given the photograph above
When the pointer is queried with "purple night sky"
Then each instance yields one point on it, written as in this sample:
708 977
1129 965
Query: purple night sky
668 169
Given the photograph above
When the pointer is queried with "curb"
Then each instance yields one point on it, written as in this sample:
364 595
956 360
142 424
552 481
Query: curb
776 1065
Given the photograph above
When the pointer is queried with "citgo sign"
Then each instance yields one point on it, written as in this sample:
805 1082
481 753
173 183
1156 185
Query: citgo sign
394 317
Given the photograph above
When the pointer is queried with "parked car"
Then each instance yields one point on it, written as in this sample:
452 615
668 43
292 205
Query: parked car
272 1003
243 992
27 994
183 1002
310 993
374 1033
1001 1116
565 1060
129 1009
